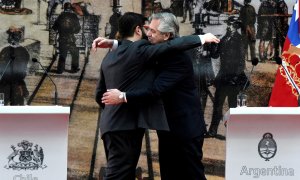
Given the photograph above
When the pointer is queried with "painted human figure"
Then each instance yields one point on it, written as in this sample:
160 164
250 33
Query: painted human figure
280 26
67 24
113 21
203 71
188 10
248 19
13 66
265 29
232 65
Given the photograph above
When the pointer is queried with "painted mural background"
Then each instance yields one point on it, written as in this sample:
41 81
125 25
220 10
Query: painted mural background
29 46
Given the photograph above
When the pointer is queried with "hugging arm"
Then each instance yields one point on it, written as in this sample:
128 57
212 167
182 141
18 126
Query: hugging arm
151 51
167 79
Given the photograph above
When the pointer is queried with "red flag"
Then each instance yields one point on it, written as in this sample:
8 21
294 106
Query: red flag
284 93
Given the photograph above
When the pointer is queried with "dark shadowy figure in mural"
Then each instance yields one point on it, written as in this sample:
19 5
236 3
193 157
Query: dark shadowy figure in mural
280 26
188 9
228 81
265 29
13 65
67 24
248 19
113 21
203 71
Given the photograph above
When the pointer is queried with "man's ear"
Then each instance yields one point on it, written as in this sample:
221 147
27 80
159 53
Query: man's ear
138 30
167 36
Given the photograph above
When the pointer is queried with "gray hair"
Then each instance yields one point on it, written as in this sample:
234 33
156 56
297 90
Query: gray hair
168 23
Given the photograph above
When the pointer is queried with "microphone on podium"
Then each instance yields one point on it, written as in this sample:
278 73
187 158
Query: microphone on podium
55 94
291 80
241 97
254 62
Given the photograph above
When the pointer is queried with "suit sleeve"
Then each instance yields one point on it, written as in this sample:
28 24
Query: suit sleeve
172 73
150 52
100 90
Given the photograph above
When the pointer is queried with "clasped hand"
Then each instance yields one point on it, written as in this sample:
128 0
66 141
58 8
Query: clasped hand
102 42
111 97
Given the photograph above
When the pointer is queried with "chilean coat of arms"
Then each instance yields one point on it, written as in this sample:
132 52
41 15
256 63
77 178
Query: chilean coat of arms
26 158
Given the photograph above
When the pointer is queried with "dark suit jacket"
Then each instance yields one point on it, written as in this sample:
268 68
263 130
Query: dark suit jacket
175 84
130 68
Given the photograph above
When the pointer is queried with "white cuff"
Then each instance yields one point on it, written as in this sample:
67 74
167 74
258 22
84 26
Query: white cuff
125 99
202 39
115 45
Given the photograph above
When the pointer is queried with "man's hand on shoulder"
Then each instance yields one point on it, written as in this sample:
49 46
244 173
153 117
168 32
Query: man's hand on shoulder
102 42
210 38
113 97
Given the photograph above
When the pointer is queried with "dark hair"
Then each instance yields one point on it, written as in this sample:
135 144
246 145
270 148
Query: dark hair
128 22
67 6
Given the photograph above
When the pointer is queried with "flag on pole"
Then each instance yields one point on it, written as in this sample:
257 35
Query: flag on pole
285 91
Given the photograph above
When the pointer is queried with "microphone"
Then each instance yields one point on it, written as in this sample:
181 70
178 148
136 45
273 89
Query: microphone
55 94
283 64
254 62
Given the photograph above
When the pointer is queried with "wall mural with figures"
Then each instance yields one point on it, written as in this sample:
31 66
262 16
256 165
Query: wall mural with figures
53 38
69 28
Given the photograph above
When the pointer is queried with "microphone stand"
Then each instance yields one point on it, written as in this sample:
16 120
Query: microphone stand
5 69
55 93
242 96
247 79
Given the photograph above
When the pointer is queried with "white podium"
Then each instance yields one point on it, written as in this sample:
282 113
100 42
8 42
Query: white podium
33 142
263 143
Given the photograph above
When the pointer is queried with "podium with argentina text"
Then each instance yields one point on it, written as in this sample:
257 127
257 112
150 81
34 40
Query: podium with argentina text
33 142
263 143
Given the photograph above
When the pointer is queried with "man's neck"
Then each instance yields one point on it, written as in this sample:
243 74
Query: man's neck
134 38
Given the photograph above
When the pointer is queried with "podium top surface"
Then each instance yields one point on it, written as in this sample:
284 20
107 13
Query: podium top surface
34 110
262 111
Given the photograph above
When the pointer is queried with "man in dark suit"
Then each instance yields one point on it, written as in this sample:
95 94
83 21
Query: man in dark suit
180 149
129 68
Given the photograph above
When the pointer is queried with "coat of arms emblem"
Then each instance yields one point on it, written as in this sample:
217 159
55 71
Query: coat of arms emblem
26 158
267 147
